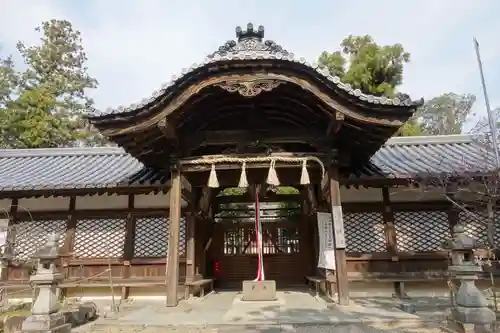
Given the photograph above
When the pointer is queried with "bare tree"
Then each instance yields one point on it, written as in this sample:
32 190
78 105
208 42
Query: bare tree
472 187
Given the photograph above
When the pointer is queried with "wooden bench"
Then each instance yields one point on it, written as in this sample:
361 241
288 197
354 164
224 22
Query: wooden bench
317 281
202 283
398 279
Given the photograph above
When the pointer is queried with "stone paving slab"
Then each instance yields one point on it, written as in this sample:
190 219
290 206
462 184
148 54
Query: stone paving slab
291 308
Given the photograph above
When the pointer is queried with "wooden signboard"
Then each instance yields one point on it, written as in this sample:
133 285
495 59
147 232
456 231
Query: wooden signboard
338 227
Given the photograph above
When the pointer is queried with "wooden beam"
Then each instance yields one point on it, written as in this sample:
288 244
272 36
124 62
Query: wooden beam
70 229
271 197
262 136
340 254
128 246
191 247
168 129
10 239
263 191
312 200
188 166
69 240
172 273
205 200
391 239
389 228
334 125
186 189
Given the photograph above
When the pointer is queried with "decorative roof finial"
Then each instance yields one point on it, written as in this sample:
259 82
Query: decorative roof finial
250 33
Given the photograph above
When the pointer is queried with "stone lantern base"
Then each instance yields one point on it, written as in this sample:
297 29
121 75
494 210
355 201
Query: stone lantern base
53 323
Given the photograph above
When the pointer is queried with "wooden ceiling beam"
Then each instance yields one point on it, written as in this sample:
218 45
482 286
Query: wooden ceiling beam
247 197
263 136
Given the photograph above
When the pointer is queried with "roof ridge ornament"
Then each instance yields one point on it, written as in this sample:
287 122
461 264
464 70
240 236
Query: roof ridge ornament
250 44
250 32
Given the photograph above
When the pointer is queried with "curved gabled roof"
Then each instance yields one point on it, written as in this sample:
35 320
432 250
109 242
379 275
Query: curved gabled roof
224 93
250 46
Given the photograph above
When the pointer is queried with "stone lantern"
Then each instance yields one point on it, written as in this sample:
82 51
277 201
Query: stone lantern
45 310
470 312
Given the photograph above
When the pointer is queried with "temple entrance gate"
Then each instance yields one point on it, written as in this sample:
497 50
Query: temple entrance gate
253 105
286 243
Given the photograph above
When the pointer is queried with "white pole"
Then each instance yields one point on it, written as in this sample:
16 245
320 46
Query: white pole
491 118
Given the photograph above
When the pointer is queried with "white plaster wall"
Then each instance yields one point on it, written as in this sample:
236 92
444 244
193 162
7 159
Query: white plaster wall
5 208
98 202
402 194
43 204
360 195
101 202
410 194
160 200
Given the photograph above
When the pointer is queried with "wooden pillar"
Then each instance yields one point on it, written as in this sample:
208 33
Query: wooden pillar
10 238
69 239
391 239
128 246
338 236
453 218
172 274
191 245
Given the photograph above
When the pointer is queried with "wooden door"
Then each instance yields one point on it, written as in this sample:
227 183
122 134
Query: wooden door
284 256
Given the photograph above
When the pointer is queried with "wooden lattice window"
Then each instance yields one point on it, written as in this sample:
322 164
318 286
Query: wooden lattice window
421 231
364 232
241 241
496 235
31 235
151 237
287 240
100 238
474 227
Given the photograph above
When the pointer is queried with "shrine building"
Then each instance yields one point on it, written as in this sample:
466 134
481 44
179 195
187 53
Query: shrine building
173 208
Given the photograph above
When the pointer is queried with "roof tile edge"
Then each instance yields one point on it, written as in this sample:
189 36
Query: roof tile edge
259 55
62 152
432 139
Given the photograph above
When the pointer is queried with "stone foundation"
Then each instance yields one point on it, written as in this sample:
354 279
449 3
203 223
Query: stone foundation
53 323
259 290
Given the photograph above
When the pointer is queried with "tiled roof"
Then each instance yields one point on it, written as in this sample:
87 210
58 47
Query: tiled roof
411 157
68 168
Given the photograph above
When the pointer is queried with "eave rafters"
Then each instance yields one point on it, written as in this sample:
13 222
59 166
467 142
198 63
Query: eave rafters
391 118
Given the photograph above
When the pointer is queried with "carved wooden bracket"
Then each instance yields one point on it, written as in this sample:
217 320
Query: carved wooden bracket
335 124
168 129
249 88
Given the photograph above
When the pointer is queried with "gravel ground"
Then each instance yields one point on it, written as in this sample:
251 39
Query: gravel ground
348 328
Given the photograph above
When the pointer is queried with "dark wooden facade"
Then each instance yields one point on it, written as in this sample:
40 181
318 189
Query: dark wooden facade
385 242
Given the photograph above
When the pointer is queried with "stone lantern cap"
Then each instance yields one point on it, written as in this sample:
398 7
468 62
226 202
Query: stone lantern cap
460 241
50 251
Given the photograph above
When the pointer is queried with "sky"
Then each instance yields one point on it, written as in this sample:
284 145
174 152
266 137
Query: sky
135 46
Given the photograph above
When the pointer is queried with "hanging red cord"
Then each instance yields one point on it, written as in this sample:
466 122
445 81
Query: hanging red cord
258 237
